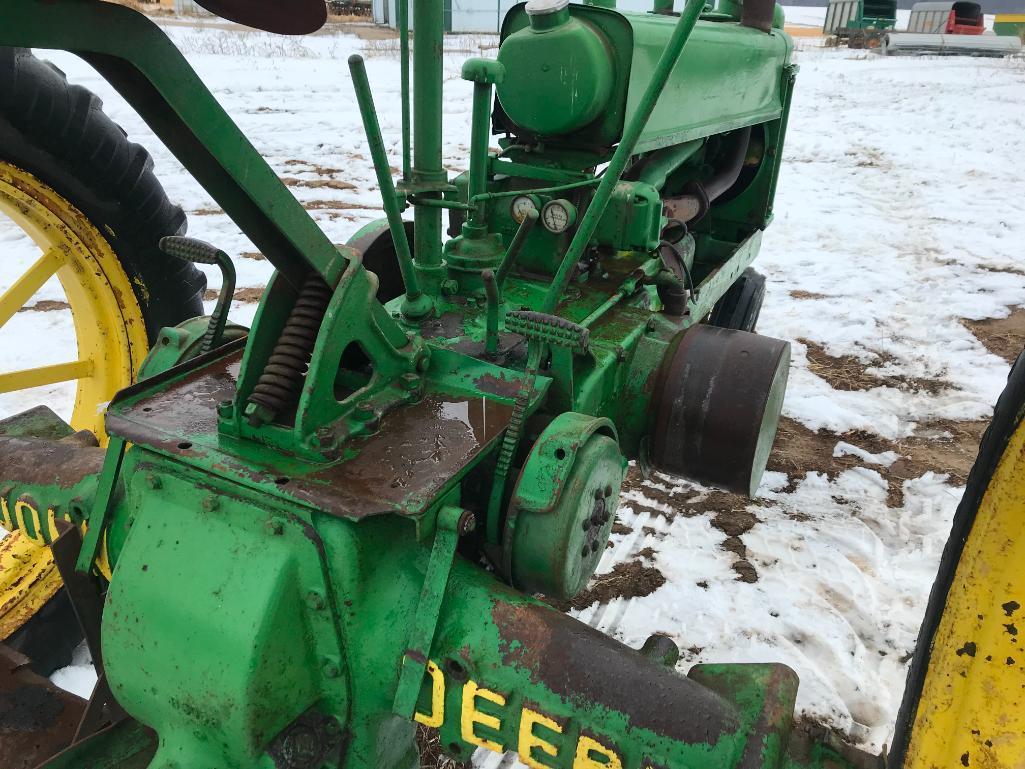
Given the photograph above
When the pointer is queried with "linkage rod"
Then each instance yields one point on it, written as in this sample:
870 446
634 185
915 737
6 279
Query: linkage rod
402 9
416 304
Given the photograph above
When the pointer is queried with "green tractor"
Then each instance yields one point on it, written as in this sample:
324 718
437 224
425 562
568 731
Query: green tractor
292 546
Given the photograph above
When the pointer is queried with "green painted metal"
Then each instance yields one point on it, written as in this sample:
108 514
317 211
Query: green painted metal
416 303
552 542
306 580
98 516
542 53
668 58
428 175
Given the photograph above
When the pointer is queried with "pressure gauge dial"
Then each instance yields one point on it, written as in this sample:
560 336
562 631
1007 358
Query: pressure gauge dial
522 205
558 216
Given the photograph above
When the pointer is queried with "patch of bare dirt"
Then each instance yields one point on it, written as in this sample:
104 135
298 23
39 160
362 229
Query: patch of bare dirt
744 569
847 373
798 293
45 305
1001 336
1001 270
256 256
626 580
244 295
735 522
431 757
943 446
315 184
313 167
336 205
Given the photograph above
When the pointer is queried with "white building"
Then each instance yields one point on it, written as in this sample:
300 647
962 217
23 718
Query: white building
479 15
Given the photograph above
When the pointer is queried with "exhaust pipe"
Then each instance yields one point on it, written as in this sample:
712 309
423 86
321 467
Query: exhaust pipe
758 14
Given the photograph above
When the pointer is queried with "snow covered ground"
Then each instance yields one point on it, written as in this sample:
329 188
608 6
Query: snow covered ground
900 217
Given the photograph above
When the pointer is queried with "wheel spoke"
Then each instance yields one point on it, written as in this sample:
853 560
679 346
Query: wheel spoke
44 375
24 287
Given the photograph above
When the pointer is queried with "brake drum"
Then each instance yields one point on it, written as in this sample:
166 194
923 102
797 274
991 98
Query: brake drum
563 506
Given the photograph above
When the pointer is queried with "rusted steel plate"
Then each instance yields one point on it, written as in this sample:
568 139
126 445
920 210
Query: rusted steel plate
37 719
42 462
417 450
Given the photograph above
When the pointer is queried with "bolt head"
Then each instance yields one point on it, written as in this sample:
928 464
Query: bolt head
274 527
330 670
211 503
315 600
467 523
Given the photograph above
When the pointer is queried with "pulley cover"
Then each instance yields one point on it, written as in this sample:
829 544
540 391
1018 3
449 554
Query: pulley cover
717 405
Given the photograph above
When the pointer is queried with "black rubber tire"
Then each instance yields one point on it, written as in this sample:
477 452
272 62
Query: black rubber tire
741 305
58 132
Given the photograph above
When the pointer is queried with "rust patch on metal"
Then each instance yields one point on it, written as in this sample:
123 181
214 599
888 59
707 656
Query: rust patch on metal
418 449
579 663
42 462
500 386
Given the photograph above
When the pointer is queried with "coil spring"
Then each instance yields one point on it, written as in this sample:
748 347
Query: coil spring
279 384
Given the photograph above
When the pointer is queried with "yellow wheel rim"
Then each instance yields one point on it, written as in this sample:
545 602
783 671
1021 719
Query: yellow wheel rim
109 326
972 708
110 335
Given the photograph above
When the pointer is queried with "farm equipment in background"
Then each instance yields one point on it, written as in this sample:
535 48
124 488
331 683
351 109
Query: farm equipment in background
1010 25
948 27
859 23
278 557
946 17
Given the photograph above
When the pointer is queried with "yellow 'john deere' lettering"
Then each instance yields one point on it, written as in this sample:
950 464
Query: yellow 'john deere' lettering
26 519
471 716
588 752
5 515
437 715
537 734
529 739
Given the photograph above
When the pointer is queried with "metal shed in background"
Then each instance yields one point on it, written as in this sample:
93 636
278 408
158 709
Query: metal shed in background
481 16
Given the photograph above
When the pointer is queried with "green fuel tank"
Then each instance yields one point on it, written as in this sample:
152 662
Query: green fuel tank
574 74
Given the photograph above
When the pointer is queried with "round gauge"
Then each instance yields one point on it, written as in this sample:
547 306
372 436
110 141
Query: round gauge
522 205
558 216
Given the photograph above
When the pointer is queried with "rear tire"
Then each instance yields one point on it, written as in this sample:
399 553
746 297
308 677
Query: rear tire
59 149
58 132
